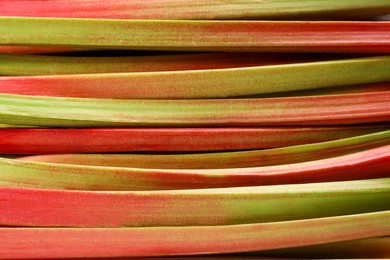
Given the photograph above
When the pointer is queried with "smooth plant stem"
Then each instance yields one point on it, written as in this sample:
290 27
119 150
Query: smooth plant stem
50 208
284 155
296 36
196 9
287 111
109 140
210 83
351 89
30 65
16 243
367 164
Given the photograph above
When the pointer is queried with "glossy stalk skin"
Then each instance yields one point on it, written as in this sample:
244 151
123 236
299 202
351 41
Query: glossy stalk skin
196 9
275 36
16 243
371 248
33 65
51 208
204 83
108 140
367 164
284 155
287 111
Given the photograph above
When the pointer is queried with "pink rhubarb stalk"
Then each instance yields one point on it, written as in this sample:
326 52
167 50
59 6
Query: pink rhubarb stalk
16 243
296 36
367 164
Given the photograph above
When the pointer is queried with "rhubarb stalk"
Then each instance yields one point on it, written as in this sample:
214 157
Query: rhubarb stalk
83 112
16 243
196 9
108 140
28 65
294 36
50 208
367 164
213 83
284 155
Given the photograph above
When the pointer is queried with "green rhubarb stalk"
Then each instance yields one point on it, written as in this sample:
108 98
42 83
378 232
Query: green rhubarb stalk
351 89
366 164
29 65
294 36
83 112
284 155
12 126
16 243
224 206
197 9
213 83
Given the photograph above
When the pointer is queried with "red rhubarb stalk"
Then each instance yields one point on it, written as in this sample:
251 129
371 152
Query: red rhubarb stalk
296 36
16 243
284 155
109 140
367 164
38 207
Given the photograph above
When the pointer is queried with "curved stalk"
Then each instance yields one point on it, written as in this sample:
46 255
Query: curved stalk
284 155
33 65
16 243
209 83
367 164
